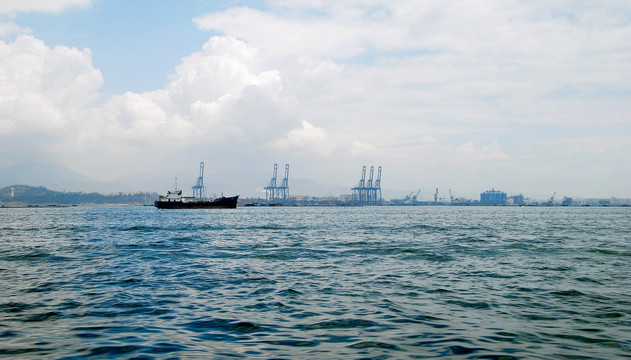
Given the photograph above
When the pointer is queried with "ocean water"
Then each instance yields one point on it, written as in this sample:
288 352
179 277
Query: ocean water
316 283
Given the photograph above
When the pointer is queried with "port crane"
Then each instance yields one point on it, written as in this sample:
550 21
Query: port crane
415 196
284 186
369 184
377 188
198 189
271 189
359 191
274 192
551 201
368 192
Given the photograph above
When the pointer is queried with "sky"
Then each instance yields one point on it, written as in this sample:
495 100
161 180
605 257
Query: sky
530 97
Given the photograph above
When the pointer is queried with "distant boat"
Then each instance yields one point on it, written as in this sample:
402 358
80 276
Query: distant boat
175 199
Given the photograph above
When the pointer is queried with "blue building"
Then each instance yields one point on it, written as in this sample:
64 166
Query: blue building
517 199
493 197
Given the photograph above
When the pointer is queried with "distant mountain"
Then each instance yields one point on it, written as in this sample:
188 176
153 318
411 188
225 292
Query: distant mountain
313 188
30 195
236 182
249 186
54 176
160 180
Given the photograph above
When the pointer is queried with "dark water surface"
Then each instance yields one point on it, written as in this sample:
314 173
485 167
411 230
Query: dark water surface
316 283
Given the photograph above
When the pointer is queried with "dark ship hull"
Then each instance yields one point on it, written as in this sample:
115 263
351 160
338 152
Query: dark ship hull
218 203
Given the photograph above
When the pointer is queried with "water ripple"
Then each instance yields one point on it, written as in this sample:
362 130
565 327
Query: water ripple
315 283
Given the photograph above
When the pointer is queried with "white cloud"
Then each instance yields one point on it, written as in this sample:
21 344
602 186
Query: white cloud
433 88
284 37
363 149
54 6
203 102
42 88
222 67
219 94
10 28
469 153
483 62
309 137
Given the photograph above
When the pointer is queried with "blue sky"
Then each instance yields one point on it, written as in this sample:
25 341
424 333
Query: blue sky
124 34
531 97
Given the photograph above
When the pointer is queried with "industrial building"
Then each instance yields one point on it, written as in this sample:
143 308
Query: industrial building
493 197
517 199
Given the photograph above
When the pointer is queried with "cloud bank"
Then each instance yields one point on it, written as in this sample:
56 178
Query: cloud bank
52 6
457 94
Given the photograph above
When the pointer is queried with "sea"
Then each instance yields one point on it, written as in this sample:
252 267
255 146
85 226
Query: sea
136 282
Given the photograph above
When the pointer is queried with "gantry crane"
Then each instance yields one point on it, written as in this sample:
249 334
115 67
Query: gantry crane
415 196
368 192
198 189
284 185
271 189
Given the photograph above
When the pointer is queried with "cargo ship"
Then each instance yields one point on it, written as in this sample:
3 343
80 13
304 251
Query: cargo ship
176 200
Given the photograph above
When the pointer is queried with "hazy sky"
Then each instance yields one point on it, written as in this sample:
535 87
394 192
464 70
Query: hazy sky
529 97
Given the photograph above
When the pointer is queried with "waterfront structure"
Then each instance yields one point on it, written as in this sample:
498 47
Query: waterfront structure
493 197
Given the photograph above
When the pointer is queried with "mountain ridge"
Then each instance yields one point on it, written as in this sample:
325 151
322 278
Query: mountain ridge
54 176
60 178
25 194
